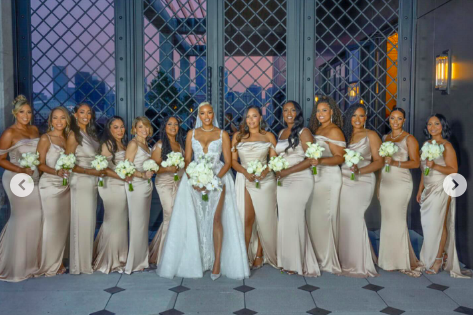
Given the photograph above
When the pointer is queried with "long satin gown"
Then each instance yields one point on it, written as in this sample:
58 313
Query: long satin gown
433 213
395 249
83 209
139 206
294 250
111 243
20 238
264 202
355 252
56 203
189 247
322 210
167 191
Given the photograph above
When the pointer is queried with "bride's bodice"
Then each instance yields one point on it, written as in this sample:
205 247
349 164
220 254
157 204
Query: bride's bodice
214 151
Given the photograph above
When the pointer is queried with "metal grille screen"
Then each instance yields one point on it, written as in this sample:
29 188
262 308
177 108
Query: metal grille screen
356 55
175 59
255 60
73 56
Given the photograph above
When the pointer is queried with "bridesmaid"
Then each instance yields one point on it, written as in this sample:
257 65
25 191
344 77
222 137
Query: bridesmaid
171 141
257 206
355 252
322 209
395 249
437 209
111 244
55 198
20 238
295 252
82 141
139 200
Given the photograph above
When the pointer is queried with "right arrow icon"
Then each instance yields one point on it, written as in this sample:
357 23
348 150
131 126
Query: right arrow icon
455 184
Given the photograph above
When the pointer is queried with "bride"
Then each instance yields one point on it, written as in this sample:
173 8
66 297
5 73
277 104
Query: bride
205 235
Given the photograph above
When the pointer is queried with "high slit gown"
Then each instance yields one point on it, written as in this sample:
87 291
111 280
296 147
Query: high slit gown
263 199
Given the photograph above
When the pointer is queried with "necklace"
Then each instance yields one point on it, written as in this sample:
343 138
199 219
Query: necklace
394 138
207 130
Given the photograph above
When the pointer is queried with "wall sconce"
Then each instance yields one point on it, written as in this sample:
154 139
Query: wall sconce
316 98
353 92
443 72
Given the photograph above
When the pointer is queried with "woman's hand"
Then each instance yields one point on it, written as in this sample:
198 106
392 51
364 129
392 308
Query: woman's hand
355 169
430 164
282 174
63 173
263 174
173 169
27 171
148 174
197 188
250 177
129 179
418 197
388 160
314 162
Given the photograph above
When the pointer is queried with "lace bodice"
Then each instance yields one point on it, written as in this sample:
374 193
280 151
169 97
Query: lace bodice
214 151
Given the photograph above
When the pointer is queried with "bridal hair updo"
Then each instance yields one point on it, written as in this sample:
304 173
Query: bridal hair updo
18 103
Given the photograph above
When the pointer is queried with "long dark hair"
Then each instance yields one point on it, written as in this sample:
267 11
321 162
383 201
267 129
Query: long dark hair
109 140
245 130
347 127
314 123
446 131
91 128
163 136
293 140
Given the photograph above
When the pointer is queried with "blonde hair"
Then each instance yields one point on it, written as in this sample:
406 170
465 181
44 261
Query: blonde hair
68 120
145 121
19 102
204 104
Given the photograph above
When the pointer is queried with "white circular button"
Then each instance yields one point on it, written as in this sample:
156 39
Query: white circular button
22 185
454 185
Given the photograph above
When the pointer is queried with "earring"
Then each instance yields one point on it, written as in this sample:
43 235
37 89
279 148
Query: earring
52 128
331 118
364 126
260 125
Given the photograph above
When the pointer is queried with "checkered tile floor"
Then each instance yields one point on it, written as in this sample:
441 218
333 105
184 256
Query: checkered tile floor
266 292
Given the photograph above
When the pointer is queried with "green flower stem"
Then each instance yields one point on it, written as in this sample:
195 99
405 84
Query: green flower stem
427 171
314 170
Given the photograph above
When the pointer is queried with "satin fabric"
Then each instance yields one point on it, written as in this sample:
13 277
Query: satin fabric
433 213
189 249
111 243
322 210
355 252
83 209
263 199
167 191
395 249
294 250
56 203
139 206
20 238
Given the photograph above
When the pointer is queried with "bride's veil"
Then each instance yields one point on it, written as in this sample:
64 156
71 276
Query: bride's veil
198 122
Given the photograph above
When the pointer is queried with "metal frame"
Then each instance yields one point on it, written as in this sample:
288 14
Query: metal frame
22 42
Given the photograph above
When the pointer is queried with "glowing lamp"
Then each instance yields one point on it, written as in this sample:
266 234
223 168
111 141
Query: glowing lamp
443 72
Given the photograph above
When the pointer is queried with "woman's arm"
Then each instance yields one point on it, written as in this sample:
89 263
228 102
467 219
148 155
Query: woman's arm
450 157
156 156
130 154
227 156
305 136
337 151
377 161
413 151
108 171
42 149
6 141
236 165
421 189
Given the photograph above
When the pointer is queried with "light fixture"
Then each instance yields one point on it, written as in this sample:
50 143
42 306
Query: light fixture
353 92
443 72
316 98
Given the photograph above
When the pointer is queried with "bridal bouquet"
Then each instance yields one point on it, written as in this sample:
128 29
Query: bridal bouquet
100 163
65 162
150 166
431 151
314 151
29 160
256 167
387 149
125 169
174 159
277 164
352 158
201 175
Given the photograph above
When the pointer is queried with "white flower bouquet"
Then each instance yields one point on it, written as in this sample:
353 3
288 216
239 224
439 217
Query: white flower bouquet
201 175
277 164
29 160
387 149
431 151
125 169
99 163
314 151
65 162
352 158
150 166
174 159
256 167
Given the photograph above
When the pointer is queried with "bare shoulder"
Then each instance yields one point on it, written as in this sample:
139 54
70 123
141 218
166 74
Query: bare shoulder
225 135
189 133
373 135
305 132
270 136
132 144
336 134
411 140
448 146
8 133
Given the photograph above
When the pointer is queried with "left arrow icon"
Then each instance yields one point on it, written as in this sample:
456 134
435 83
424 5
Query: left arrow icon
21 184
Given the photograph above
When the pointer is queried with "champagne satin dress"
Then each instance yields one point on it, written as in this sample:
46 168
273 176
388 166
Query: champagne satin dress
395 249
56 203
355 252
264 202
433 213
111 244
21 236
322 210
83 209
294 250
139 205
167 191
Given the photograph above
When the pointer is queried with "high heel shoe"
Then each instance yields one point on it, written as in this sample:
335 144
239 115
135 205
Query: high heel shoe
215 276
259 266
433 272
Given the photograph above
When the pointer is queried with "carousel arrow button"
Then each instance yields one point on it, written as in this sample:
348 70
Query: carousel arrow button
454 185
22 185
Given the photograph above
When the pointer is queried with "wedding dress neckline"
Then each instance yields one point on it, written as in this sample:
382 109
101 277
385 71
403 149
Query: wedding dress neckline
210 143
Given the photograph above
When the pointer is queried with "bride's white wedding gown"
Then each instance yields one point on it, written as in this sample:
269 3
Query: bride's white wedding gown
189 249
